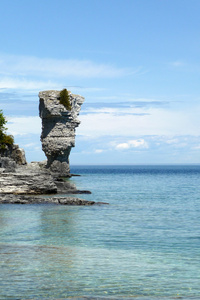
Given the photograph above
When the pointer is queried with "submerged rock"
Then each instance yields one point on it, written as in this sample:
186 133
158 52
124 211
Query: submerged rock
58 129
31 199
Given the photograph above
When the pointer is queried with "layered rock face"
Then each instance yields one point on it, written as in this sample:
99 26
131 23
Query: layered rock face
29 179
58 129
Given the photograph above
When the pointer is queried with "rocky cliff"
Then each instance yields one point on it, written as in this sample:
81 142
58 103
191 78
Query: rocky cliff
58 129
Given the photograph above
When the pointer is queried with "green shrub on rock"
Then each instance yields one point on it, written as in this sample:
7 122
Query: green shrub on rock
64 99
5 139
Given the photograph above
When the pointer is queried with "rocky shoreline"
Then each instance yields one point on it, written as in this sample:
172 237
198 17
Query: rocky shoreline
45 182
34 184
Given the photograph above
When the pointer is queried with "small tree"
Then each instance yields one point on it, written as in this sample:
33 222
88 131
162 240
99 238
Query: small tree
2 121
5 139
64 99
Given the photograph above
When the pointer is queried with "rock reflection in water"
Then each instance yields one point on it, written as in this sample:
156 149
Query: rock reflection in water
32 263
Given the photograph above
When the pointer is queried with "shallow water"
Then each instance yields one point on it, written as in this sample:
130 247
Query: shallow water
145 244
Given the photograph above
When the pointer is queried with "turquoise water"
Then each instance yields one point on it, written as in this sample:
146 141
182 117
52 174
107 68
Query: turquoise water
144 245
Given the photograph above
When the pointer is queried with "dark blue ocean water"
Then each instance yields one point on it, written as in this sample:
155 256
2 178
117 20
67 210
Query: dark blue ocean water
144 245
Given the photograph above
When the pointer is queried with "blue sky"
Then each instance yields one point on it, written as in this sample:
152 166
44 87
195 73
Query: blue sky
136 62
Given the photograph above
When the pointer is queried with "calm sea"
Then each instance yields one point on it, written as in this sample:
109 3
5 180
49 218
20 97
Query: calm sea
144 245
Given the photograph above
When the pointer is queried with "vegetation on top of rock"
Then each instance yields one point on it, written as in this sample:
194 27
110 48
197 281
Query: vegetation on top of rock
5 139
64 99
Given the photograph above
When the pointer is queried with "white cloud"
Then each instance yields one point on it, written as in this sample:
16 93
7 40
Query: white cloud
30 145
106 110
140 122
135 123
99 150
196 147
27 84
33 66
177 63
123 146
172 141
24 125
139 143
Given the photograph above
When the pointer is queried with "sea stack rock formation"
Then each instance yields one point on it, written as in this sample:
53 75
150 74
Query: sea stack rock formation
22 182
41 182
58 129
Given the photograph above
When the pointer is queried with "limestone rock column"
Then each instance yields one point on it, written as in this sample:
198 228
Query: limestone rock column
58 129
